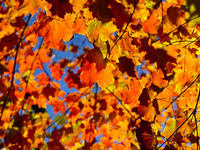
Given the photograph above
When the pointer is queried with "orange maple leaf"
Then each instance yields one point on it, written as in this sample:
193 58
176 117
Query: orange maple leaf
132 95
105 76
49 29
56 72
57 104
89 134
89 74
43 79
150 24
41 101
157 79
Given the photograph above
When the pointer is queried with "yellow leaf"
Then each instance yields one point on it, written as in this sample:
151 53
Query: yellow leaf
198 115
170 127
78 4
31 6
98 30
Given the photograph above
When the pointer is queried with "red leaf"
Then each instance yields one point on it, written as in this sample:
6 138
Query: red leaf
95 56
73 80
48 91
60 7
56 72
126 65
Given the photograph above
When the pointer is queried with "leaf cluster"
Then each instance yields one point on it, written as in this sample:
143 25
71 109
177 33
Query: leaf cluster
136 88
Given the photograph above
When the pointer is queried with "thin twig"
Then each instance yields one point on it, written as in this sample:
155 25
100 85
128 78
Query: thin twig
125 27
183 91
120 101
194 111
15 62
196 129
68 108
177 28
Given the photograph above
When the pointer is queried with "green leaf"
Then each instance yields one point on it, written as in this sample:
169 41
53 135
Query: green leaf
27 73
60 120
77 125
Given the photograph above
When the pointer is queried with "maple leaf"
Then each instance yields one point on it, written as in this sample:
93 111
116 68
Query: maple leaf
118 146
89 134
170 127
105 76
43 79
175 15
56 72
49 29
71 98
150 25
78 5
31 6
57 104
131 96
36 109
41 101
158 79
48 90
145 136
32 62
80 26
8 42
60 7
89 73
100 10
95 56
97 30
63 63
73 80
148 113
93 69
53 145
43 55
126 65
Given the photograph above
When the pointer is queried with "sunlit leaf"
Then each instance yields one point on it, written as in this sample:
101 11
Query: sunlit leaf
170 127
60 120
150 25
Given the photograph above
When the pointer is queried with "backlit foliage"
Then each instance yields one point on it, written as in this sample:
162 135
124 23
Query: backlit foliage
137 88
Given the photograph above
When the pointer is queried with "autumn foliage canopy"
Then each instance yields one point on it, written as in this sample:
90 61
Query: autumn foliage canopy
137 87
